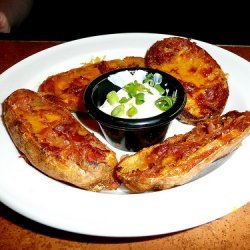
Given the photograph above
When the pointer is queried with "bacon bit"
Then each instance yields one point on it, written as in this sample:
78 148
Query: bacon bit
155 157
47 147
59 128
78 138
241 123
55 99
74 89
210 128
69 130
174 71
94 154
190 88
206 71
192 70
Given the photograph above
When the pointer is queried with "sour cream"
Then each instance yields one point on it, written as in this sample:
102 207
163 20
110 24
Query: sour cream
144 110
122 78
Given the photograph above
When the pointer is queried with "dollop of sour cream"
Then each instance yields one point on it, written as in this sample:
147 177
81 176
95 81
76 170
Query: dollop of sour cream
150 95
124 77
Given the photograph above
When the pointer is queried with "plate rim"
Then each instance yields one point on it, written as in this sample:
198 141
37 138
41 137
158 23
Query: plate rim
129 198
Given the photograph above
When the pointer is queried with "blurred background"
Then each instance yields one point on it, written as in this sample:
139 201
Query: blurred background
69 20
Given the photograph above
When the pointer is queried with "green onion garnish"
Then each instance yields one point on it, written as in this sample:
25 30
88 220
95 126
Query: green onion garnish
159 88
118 111
133 87
139 98
142 88
149 79
151 83
124 99
164 103
112 97
132 111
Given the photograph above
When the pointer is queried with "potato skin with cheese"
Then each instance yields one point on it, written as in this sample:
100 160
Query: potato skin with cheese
53 141
202 77
67 88
180 158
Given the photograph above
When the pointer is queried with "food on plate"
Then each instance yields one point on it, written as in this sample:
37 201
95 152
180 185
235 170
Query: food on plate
202 77
68 87
52 140
180 158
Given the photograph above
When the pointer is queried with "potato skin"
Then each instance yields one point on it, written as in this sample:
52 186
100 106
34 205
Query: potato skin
68 87
203 79
53 141
180 158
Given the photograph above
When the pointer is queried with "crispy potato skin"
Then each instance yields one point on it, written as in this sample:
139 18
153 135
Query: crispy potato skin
180 158
203 79
67 88
53 141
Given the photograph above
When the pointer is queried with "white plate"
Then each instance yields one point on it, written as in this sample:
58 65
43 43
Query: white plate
118 213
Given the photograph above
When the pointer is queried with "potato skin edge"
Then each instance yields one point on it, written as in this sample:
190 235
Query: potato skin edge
100 178
171 55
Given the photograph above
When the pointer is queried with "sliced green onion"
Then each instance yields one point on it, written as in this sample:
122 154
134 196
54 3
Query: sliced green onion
139 98
142 88
149 78
164 103
132 111
159 88
124 99
118 111
112 97
131 89
151 83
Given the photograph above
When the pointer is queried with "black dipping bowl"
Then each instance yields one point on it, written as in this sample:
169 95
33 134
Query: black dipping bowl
132 134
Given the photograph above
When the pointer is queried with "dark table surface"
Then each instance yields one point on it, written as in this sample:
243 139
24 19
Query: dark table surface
70 20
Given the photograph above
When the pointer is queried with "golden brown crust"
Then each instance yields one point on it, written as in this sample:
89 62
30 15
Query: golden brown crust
69 86
55 143
178 159
203 79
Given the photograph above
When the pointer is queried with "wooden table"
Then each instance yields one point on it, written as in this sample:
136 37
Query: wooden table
18 232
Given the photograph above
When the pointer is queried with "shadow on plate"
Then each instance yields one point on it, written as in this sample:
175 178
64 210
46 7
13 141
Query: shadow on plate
88 122
213 166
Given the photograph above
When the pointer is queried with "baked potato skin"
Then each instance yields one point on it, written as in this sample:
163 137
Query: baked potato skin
68 87
203 79
52 140
180 158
